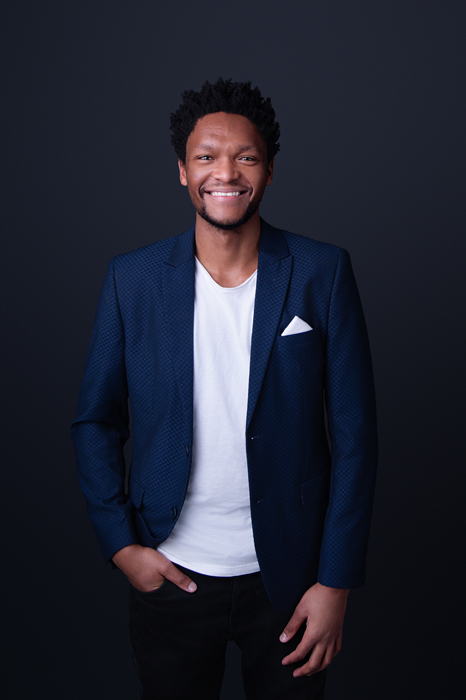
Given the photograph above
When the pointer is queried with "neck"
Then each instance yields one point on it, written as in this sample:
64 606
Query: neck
230 257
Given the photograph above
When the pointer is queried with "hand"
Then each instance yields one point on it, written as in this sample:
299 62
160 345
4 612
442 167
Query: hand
323 609
146 569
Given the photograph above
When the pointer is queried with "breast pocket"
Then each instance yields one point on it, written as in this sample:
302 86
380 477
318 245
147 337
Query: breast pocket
305 347
303 351
289 341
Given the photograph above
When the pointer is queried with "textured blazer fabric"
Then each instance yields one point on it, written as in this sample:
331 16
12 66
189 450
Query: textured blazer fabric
310 505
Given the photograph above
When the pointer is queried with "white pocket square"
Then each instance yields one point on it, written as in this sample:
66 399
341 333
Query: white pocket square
297 325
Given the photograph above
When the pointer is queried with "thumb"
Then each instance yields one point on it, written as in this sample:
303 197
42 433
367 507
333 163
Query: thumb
180 579
293 625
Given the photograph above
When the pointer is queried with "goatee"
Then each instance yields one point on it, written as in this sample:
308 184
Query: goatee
250 211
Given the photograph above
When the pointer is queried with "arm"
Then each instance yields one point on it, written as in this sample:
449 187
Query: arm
99 434
101 426
350 399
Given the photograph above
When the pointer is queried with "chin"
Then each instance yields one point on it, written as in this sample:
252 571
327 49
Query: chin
229 224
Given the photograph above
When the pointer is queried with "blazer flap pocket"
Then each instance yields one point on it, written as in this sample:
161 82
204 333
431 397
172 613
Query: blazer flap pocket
317 488
136 492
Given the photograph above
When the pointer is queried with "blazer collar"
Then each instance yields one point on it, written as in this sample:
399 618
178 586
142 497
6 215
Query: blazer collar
272 243
183 249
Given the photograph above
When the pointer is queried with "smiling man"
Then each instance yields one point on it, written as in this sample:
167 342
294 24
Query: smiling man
233 342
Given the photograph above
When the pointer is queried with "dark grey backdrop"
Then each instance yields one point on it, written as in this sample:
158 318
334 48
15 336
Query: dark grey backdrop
370 98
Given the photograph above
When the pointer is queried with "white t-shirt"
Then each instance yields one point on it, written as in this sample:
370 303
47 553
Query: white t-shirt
213 534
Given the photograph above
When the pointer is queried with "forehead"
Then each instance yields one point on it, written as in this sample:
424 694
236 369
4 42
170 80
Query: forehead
221 128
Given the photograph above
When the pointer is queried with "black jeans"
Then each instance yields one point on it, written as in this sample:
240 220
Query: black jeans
179 641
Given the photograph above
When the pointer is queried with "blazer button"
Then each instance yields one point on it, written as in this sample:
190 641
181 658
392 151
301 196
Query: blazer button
174 512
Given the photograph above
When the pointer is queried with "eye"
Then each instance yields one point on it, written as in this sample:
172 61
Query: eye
204 157
247 158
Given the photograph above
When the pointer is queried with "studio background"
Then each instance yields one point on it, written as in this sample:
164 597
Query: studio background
370 100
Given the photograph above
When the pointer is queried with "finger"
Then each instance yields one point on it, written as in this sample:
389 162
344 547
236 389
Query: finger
314 663
293 625
328 658
338 645
173 574
158 584
146 589
303 648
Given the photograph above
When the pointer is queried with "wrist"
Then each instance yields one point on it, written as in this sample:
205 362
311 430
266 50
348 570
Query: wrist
336 592
126 554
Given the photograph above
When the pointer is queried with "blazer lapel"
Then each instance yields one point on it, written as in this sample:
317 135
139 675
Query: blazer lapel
273 276
178 301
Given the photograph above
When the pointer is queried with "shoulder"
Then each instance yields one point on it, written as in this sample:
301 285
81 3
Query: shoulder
316 265
310 256
306 247
148 256
284 243
133 273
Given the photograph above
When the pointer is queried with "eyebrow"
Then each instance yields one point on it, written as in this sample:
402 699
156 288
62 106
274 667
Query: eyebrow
212 146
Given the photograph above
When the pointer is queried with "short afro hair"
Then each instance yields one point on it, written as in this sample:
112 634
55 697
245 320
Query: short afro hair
224 96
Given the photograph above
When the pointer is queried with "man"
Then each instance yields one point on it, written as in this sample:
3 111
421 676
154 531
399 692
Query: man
232 341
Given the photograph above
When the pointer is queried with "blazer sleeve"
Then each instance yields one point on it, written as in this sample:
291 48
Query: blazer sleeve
350 400
101 427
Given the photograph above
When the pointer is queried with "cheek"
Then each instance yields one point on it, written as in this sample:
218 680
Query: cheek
192 186
195 183
193 190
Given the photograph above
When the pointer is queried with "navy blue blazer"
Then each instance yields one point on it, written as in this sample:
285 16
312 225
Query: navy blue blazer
310 506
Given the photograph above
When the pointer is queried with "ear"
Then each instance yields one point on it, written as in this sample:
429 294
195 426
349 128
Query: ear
269 172
182 167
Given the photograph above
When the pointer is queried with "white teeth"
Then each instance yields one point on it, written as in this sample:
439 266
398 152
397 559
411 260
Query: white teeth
225 194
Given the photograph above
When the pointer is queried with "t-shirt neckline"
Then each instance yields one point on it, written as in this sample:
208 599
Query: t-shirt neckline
219 286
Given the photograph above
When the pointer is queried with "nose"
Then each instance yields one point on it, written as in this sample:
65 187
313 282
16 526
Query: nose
226 170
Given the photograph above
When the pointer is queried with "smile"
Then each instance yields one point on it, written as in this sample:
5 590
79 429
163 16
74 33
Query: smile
225 194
